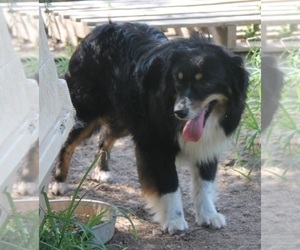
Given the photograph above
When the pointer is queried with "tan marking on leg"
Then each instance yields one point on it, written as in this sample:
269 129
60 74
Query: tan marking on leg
67 151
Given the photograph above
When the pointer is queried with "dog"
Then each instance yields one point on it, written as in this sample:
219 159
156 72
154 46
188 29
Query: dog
179 99
272 82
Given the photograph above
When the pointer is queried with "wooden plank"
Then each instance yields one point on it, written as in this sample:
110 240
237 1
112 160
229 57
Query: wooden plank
280 7
280 20
180 22
137 6
51 25
206 17
161 3
19 114
270 4
156 8
224 35
77 16
56 112
270 15
283 12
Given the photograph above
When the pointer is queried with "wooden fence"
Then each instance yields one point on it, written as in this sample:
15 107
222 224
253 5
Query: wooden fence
230 23
19 114
56 112
30 112
226 22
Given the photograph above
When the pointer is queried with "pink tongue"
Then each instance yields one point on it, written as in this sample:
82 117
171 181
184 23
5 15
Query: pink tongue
193 129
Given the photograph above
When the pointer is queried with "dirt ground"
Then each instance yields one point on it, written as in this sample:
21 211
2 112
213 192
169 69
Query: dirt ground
280 206
238 199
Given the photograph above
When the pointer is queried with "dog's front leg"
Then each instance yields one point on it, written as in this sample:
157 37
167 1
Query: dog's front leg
159 181
204 195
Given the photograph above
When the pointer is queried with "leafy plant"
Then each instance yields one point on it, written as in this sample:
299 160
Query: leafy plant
62 61
287 30
281 142
30 65
58 230
61 230
19 230
252 30
247 137
62 64
64 230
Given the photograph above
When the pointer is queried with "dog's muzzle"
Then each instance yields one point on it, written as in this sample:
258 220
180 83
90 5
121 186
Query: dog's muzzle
181 109
181 113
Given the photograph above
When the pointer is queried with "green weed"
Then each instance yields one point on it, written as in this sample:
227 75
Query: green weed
20 229
30 66
247 137
63 230
62 65
282 140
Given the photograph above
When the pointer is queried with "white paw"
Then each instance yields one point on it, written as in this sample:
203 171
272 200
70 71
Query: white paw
26 188
168 211
58 188
101 176
175 225
215 220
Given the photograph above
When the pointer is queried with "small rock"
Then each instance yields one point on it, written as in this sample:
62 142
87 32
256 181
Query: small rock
229 163
157 232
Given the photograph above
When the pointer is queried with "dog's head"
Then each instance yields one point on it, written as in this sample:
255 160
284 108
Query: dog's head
209 81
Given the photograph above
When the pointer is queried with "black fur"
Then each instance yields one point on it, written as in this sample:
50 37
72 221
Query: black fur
272 84
124 79
208 169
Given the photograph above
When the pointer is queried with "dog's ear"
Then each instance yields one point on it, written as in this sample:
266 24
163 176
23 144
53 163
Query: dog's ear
239 77
178 56
153 73
238 81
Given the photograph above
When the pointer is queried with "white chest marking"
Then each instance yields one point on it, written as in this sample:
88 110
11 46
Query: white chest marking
210 145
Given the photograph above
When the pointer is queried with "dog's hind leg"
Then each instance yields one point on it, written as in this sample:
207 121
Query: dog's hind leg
108 135
78 134
30 172
101 172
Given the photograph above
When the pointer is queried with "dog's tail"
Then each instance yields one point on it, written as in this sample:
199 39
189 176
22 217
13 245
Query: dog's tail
66 76
109 19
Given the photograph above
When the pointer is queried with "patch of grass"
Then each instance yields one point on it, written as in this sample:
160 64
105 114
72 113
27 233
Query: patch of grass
247 137
64 230
20 229
281 140
283 136
287 30
30 66
62 65
252 30
62 62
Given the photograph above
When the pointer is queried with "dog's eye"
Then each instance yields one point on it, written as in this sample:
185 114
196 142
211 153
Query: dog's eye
198 76
180 75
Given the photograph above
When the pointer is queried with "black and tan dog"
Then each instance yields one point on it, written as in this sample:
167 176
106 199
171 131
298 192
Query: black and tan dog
179 99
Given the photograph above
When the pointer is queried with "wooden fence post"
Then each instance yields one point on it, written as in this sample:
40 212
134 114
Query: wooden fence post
56 112
19 121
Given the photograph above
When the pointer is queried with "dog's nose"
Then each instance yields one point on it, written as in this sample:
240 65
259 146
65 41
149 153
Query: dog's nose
181 113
